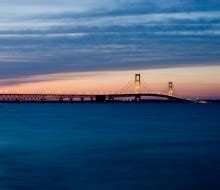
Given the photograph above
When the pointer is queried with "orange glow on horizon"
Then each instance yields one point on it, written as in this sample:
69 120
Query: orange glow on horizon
201 82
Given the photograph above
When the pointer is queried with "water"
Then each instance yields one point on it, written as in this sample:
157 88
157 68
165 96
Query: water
109 146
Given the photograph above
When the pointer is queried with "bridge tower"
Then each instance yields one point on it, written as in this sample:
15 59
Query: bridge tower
137 83
170 89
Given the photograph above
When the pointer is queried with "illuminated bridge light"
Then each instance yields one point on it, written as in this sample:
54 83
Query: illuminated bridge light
125 94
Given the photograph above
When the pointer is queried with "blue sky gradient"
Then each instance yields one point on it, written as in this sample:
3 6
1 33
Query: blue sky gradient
40 37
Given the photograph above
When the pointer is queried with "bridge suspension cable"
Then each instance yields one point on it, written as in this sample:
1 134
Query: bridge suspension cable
138 86
136 94
125 87
146 87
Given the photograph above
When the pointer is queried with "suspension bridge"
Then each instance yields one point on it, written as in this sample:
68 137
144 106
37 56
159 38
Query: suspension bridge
139 93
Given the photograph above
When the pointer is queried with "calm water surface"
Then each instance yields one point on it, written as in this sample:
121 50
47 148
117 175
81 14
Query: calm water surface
109 146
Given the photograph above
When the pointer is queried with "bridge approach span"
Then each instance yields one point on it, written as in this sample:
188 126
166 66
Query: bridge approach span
87 97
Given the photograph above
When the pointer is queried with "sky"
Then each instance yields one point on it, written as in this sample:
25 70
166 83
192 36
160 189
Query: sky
98 45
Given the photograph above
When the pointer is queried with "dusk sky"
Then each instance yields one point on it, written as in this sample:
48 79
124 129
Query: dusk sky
88 45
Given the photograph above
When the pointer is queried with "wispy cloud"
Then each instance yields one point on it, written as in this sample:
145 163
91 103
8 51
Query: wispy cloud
69 36
108 20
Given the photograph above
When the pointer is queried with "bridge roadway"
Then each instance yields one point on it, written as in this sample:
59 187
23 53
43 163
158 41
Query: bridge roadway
99 98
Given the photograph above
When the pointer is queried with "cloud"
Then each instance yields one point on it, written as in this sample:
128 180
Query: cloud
71 36
40 36
112 21
15 8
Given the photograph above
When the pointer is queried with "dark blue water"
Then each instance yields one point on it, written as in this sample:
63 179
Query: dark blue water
109 146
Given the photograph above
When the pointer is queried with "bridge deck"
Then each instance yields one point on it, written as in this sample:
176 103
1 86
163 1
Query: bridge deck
82 97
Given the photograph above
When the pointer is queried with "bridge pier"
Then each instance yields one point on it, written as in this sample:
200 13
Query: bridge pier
43 99
100 98
137 98
18 101
111 98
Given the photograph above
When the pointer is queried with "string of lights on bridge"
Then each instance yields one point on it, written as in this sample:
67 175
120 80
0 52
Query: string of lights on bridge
136 90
